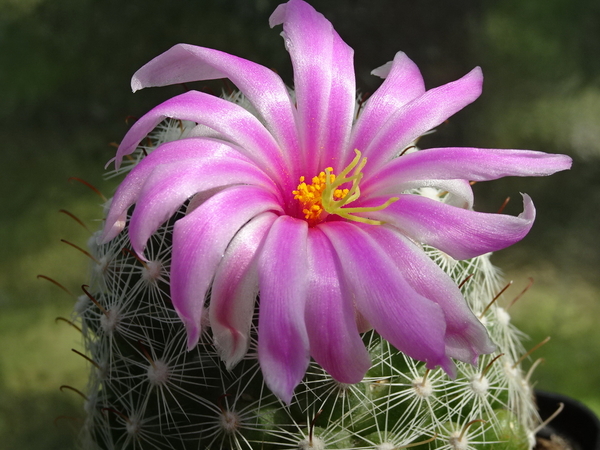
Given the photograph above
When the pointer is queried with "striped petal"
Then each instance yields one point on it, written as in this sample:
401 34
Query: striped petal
283 347
170 185
171 152
473 164
412 323
231 120
266 91
234 290
419 116
466 337
330 317
199 242
461 233
324 82
403 83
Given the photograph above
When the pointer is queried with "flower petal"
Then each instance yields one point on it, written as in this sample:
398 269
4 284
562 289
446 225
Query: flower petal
262 87
456 192
170 152
330 318
412 323
229 119
170 185
234 290
473 164
199 242
403 83
459 232
466 337
324 82
283 347
419 116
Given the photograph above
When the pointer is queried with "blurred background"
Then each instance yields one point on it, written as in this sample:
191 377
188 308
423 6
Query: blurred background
65 67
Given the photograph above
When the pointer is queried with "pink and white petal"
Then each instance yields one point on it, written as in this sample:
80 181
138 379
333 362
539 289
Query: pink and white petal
466 337
283 347
455 192
403 83
341 107
266 91
419 116
324 81
199 242
231 120
473 164
234 290
335 342
459 232
170 185
170 152
412 323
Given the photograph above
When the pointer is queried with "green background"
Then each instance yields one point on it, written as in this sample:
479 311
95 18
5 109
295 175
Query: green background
65 67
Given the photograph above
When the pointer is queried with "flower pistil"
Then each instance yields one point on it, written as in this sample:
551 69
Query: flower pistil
325 194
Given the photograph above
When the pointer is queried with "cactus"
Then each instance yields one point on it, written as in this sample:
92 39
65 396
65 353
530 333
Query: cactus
147 391
217 277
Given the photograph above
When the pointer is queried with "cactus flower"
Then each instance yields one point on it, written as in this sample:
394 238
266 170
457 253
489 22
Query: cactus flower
314 206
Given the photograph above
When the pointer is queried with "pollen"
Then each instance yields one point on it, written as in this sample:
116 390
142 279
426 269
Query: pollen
311 195
325 195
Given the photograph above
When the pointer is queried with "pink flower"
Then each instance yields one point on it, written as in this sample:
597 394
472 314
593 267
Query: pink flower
338 248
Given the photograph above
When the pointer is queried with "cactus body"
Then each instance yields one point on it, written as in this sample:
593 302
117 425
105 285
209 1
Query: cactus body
147 391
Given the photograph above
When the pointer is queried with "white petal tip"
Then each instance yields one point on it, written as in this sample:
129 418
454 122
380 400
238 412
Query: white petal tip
278 16
230 350
383 71
110 233
193 332
136 85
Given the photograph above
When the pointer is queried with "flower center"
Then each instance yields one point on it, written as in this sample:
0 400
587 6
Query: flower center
325 194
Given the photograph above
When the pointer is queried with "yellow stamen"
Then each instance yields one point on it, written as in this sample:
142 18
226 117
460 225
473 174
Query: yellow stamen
325 194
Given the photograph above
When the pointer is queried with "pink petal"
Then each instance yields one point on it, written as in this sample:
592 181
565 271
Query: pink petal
330 317
403 83
229 119
170 185
283 347
474 164
466 337
234 290
459 232
266 91
456 192
419 116
412 323
199 242
324 82
130 188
